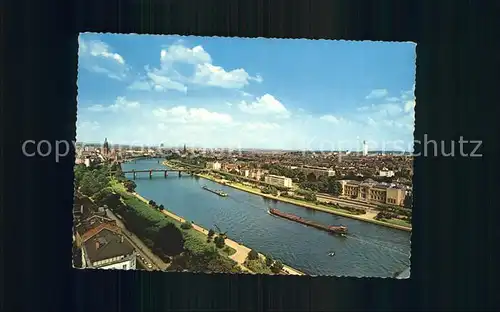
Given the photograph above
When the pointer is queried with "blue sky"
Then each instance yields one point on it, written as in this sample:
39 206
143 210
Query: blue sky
245 93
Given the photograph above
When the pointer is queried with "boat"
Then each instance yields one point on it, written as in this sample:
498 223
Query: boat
218 192
331 254
329 228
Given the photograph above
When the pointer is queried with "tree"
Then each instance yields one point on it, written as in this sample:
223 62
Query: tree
334 187
169 240
108 198
79 171
186 225
310 197
211 233
130 186
219 241
161 207
269 261
253 255
408 202
277 267
89 185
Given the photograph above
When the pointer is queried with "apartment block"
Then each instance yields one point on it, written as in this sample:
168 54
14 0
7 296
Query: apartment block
278 180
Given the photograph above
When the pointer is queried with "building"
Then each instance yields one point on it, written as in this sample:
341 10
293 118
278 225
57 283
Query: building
105 147
108 249
386 173
371 191
317 172
257 174
103 246
213 165
278 180
365 148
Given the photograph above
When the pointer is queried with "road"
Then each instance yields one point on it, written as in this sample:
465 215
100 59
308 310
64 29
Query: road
149 256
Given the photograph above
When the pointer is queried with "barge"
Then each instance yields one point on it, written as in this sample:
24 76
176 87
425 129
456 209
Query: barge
329 228
218 192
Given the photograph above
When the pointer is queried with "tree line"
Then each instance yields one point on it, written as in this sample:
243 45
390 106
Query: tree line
174 243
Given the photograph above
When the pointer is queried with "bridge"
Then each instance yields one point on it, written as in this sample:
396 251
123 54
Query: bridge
165 171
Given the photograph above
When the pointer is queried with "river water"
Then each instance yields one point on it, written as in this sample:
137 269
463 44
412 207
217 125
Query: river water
369 250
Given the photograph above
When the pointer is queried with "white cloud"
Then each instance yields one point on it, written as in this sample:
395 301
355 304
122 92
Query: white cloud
120 104
371 122
377 93
330 118
162 83
96 56
182 114
265 105
381 110
87 126
261 126
180 53
211 75
409 106
141 85
205 72
392 99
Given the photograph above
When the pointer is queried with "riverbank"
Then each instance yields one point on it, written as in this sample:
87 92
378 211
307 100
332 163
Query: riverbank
241 251
367 217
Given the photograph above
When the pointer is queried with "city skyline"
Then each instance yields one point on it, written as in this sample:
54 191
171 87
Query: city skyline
245 93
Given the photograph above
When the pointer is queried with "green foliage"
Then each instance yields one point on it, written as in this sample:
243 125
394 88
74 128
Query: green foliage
253 255
161 207
334 187
257 266
211 233
208 260
408 201
129 185
186 225
268 189
107 197
169 240
79 173
93 181
269 261
219 241
277 267
310 197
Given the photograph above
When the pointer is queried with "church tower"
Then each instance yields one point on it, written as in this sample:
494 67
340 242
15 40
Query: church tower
105 147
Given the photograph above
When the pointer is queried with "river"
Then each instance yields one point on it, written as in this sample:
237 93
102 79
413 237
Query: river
370 250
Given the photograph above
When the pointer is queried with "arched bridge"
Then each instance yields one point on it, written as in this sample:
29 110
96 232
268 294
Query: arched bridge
165 171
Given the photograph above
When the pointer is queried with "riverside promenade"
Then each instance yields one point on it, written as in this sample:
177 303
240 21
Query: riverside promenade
241 251
367 217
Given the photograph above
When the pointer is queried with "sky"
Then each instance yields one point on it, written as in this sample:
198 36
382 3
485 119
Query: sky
216 92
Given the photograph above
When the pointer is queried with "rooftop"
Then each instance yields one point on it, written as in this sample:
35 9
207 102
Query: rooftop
106 245
91 223
83 207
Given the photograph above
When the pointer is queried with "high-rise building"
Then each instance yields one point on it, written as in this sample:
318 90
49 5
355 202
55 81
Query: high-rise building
365 148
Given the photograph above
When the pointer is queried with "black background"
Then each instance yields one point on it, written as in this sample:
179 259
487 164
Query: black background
454 240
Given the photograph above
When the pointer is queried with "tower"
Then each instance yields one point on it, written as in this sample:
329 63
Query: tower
365 148
185 150
105 147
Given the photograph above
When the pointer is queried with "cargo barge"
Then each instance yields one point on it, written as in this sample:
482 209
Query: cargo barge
218 192
329 228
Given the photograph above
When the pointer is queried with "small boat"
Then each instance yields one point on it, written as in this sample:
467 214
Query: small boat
331 254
